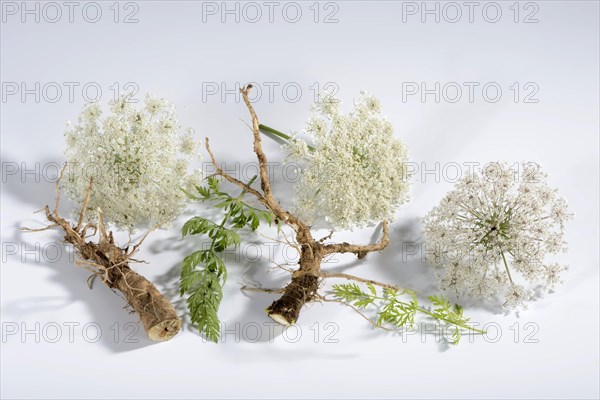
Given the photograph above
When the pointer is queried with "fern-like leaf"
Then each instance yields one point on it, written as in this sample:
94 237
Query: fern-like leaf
203 273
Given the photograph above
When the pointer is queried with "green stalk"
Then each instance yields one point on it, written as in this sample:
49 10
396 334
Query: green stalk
424 311
278 135
427 312
506 266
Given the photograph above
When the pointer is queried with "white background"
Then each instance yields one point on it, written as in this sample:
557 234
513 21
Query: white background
172 52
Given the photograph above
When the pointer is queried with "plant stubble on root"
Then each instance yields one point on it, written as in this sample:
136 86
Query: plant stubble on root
304 285
110 263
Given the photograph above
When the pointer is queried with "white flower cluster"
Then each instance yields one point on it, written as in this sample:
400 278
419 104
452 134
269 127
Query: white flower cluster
356 172
138 159
498 222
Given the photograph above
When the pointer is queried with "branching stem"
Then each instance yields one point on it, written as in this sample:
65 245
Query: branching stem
306 280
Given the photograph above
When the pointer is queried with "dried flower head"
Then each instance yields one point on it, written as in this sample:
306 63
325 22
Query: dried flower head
498 224
355 173
138 158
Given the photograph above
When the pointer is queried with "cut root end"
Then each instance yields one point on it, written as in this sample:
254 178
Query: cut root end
280 319
298 292
165 330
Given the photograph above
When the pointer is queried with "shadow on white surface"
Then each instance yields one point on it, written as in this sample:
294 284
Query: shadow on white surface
105 308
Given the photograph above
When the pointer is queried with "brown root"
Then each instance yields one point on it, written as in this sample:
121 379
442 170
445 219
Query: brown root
110 262
301 290
305 281
155 311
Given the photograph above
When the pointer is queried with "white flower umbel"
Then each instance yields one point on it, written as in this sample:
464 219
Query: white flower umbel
138 158
355 172
495 228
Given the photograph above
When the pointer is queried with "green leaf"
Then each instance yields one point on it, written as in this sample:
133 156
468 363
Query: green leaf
267 216
389 292
213 183
392 309
352 293
204 304
197 225
224 203
254 221
204 192
372 289
190 196
203 272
